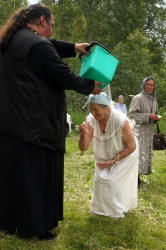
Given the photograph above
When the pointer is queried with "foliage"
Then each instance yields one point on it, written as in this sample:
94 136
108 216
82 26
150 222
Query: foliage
162 122
161 87
137 61
134 32
75 103
76 108
6 9
142 228
67 17
134 66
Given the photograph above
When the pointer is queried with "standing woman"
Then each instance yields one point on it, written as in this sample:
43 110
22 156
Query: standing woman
116 158
121 106
144 109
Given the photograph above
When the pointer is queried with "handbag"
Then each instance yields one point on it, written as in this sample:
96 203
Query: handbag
159 142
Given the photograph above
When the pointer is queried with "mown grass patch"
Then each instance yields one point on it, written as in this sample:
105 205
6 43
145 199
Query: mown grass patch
142 228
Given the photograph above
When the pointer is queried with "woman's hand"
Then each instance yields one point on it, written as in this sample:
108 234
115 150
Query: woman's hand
105 164
154 117
129 143
85 129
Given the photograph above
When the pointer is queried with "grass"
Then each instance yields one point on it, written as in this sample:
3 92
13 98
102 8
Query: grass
142 228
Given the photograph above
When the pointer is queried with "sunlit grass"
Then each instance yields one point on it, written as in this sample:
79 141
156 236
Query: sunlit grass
142 228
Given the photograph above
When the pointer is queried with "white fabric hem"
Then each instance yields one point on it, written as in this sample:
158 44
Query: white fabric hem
108 215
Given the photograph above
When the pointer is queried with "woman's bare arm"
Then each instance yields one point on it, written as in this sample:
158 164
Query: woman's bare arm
128 140
86 134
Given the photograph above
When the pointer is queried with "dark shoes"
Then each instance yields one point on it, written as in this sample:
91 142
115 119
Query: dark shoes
47 236
11 231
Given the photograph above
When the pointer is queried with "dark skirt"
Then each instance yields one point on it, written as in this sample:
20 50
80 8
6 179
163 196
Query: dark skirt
31 187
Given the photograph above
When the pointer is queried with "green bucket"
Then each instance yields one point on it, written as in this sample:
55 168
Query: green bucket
99 65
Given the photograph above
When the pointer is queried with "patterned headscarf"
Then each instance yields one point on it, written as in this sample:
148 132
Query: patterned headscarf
143 86
102 99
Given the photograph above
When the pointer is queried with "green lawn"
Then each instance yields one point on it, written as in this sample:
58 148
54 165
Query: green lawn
142 228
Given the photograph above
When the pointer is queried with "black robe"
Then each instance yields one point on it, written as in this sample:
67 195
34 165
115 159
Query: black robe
31 187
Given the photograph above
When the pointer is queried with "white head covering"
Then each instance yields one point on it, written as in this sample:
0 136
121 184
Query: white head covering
102 99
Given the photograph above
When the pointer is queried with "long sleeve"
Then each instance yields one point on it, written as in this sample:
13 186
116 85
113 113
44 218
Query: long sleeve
136 111
125 109
64 49
55 70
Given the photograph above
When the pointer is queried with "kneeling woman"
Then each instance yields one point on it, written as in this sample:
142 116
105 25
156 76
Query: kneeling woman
116 157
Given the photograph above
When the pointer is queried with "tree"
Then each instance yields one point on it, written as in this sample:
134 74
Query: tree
134 31
134 66
161 87
6 9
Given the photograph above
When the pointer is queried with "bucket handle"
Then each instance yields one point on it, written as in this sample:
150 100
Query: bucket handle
88 47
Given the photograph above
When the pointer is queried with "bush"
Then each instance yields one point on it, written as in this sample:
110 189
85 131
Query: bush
162 122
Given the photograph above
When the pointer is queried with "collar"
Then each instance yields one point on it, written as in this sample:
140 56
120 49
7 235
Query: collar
148 96
32 30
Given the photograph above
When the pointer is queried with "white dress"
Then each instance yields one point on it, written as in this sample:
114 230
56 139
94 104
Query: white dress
115 188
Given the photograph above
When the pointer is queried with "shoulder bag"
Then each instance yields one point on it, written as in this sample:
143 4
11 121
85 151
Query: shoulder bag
159 142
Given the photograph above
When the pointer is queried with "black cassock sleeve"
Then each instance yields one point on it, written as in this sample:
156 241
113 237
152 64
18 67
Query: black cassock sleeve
45 60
